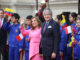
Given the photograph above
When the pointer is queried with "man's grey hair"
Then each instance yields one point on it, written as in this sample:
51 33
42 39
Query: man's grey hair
47 10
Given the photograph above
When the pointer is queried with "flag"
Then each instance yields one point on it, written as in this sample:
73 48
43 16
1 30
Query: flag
63 23
72 43
8 11
79 42
68 29
20 37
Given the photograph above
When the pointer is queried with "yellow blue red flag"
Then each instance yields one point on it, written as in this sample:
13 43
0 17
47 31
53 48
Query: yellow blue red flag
8 11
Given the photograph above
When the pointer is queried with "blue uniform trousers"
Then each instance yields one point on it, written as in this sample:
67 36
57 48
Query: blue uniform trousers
77 52
69 53
14 53
26 55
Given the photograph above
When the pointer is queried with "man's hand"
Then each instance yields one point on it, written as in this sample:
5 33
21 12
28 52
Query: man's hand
40 54
9 19
53 56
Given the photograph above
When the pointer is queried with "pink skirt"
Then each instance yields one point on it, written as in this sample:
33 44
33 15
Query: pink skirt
37 57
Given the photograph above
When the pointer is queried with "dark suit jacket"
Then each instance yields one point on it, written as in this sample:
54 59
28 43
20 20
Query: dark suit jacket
50 38
3 35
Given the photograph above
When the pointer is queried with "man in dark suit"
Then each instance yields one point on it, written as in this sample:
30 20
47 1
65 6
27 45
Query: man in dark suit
3 36
50 36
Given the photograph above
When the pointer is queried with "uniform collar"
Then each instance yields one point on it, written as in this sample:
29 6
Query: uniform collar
73 24
16 24
28 27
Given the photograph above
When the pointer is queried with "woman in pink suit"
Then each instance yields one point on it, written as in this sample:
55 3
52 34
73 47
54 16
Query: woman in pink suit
34 37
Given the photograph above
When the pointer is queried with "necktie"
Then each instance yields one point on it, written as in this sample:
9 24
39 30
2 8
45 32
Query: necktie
0 24
45 27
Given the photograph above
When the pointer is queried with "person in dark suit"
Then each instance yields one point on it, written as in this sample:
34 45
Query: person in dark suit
3 36
50 36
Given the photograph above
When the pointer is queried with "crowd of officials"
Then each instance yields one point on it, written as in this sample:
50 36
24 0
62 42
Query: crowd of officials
40 37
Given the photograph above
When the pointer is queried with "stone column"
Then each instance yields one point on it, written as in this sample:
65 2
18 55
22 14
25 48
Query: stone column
79 6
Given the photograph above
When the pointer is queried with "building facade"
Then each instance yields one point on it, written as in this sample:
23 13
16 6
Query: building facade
28 7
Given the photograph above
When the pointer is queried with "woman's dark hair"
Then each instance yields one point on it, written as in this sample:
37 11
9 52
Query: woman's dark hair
74 15
16 15
59 17
66 14
78 14
39 22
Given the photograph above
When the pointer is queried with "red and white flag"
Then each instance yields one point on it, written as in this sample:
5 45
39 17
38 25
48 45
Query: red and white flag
20 37
69 29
